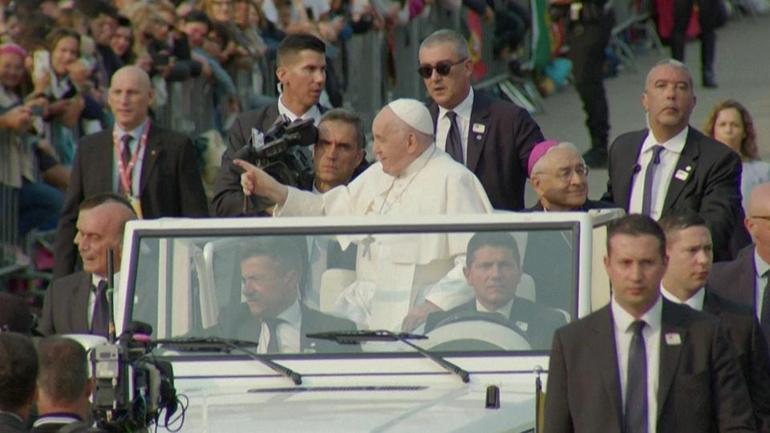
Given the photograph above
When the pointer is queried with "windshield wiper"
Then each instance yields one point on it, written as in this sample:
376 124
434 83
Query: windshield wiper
218 343
356 337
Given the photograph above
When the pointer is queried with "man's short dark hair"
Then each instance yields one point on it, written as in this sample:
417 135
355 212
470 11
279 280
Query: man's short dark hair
18 371
681 220
348 117
289 251
636 225
63 369
491 239
198 17
293 44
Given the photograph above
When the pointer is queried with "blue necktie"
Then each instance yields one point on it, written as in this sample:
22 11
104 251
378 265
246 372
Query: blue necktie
635 420
100 320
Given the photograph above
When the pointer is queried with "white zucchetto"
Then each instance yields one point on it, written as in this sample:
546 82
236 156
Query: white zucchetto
414 113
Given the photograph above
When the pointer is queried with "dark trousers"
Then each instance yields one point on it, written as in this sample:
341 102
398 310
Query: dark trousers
587 42
709 15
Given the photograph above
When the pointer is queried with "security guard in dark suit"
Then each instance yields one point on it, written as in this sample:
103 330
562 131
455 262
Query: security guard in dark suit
588 33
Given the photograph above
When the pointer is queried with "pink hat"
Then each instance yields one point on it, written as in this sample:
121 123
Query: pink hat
11 48
538 151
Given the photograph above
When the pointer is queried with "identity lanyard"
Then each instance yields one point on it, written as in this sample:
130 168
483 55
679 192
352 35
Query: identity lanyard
126 172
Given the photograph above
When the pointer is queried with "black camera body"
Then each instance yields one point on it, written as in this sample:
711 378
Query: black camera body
283 152
132 388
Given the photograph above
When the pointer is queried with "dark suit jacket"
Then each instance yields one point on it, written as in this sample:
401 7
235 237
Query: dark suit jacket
170 184
239 323
701 388
712 188
588 205
11 424
499 155
742 328
536 322
65 308
736 280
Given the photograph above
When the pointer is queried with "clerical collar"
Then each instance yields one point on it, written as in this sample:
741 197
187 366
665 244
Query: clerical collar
415 166
135 133
463 109
57 418
695 301
313 113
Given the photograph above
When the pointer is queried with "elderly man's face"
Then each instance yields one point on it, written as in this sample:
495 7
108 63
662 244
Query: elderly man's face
494 276
563 182
98 230
268 288
668 97
337 154
446 90
391 145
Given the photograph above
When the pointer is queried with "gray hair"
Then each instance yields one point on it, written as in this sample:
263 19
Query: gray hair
446 36
348 117
540 164
671 63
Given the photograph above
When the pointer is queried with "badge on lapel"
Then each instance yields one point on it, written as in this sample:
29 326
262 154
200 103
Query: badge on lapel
478 129
683 175
673 339
522 325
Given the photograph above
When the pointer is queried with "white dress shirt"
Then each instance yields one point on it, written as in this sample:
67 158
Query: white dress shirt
505 310
313 113
136 173
95 279
663 173
651 333
463 119
760 270
288 329
695 301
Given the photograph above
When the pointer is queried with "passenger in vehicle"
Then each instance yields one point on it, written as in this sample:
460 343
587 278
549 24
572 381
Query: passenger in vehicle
493 270
394 287
272 270
559 177
77 303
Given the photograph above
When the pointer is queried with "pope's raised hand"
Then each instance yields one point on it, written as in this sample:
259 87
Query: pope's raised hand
256 181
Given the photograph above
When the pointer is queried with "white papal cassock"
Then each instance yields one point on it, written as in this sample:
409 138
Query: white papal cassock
396 272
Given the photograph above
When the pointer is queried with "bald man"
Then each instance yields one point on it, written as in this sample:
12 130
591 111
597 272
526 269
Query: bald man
153 168
72 301
408 165
746 280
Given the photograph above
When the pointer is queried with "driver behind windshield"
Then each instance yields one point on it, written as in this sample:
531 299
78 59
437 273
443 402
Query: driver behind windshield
493 270
272 269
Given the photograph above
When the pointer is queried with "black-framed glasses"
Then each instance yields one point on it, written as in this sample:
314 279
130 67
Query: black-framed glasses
443 68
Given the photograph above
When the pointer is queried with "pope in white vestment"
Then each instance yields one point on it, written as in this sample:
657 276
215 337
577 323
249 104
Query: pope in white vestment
397 272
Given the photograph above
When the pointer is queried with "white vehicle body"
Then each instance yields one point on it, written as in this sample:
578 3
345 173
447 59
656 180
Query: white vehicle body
397 390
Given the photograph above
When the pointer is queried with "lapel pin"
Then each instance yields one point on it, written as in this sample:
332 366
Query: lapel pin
479 128
682 175
688 168
673 339
478 137
522 325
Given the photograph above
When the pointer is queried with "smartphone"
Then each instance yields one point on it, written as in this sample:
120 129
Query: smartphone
41 60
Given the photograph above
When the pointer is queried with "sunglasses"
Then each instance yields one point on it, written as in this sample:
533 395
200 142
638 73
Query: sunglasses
443 68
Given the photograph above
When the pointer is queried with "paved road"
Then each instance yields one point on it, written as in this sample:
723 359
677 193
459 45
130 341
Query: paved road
742 71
